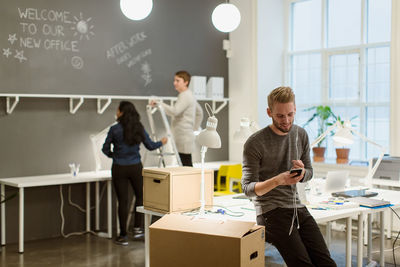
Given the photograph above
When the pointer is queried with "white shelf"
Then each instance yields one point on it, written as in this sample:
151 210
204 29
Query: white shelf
13 99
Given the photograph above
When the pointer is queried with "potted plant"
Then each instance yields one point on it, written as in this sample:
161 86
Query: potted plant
324 115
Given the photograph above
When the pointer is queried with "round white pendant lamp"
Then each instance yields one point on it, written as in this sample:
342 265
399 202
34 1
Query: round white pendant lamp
226 17
136 9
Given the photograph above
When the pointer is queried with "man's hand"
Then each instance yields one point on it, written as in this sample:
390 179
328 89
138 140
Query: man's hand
287 178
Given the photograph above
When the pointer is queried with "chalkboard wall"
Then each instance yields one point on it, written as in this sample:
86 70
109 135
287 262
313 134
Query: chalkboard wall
90 47
41 136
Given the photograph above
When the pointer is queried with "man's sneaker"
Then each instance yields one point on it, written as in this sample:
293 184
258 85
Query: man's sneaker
121 240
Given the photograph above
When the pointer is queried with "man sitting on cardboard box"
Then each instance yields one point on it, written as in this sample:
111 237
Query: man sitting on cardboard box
268 157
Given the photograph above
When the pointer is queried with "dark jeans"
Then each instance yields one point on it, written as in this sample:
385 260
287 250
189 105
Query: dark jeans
305 246
186 159
121 177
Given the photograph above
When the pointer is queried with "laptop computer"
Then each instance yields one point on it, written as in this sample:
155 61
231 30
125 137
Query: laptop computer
336 181
354 193
370 202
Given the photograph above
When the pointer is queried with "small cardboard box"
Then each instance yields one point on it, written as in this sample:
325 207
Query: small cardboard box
175 189
178 240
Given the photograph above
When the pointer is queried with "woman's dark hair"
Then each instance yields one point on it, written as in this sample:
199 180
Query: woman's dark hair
130 121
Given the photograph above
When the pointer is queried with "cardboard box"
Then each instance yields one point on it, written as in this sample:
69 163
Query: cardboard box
178 240
175 189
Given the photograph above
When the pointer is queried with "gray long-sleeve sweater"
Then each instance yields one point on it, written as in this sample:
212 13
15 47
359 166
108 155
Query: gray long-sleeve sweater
267 154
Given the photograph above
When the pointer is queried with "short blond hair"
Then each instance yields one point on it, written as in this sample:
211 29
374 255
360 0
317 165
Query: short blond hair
282 94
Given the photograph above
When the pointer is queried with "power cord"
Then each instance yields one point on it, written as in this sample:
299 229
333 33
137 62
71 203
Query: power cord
394 242
295 214
222 210
78 207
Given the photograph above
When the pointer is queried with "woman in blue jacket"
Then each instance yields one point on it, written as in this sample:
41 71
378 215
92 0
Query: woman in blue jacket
126 137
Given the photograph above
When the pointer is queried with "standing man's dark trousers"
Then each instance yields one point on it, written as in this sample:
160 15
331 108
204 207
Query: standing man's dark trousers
186 159
304 246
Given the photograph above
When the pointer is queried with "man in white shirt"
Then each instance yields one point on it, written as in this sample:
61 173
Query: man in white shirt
186 116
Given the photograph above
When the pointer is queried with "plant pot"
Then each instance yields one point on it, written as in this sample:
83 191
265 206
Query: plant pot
342 155
319 154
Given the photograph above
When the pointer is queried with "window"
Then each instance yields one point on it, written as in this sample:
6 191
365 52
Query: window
339 55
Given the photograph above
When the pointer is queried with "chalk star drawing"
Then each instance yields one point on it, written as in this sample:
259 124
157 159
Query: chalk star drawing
20 55
12 38
146 73
82 27
7 52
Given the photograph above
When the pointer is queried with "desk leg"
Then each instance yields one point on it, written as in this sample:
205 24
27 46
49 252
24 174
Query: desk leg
87 207
348 242
369 243
97 204
3 216
21 220
109 209
147 219
388 223
328 234
382 238
360 240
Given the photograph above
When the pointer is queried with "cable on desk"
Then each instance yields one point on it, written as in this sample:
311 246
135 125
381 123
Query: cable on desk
229 213
223 210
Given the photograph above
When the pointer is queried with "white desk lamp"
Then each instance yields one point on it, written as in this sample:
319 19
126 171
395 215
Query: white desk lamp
207 138
246 129
344 135
95 138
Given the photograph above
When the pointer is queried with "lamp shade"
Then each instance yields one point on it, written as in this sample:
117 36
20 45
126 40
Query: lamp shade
136 9
244 132
209 136
226 17
343 136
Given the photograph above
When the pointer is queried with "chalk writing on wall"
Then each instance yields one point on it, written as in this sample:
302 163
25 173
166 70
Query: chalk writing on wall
49 30
125 53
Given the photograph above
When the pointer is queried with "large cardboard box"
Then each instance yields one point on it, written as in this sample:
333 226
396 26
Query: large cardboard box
175 189
178 240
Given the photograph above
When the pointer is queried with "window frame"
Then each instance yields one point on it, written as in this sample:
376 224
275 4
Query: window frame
325 52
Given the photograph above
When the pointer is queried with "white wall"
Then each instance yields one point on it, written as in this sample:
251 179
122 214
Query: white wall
242 73
256 66
271 46
395 81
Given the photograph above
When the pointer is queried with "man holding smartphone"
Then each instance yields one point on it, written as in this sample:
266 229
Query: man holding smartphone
268 157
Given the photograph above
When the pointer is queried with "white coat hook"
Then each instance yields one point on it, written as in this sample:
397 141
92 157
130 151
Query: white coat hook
10 107
73 109
100 108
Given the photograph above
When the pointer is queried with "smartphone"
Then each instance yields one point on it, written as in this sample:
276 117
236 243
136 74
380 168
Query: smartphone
298 171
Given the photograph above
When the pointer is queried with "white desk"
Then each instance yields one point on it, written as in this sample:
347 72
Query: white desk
244 205
56 179
214 165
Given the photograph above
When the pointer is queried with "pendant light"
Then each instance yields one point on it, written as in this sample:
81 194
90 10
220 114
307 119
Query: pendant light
136 9
226 17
